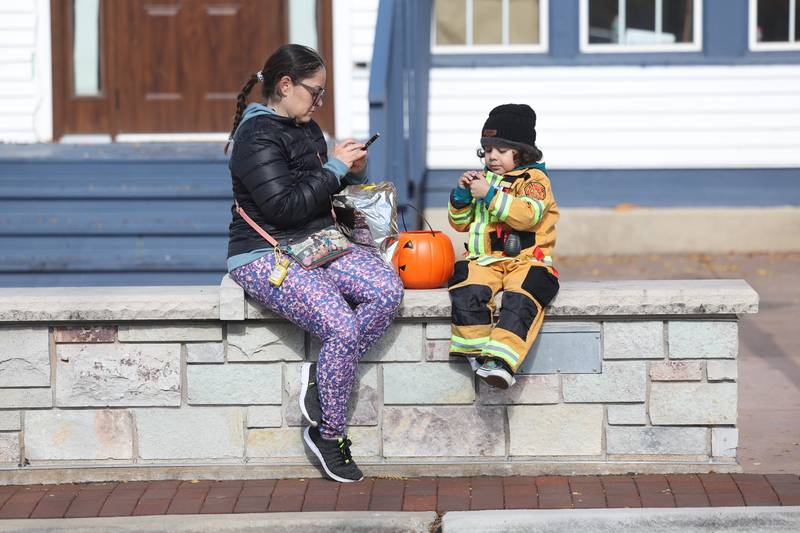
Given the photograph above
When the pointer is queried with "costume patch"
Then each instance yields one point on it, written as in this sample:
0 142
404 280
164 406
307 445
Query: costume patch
535 190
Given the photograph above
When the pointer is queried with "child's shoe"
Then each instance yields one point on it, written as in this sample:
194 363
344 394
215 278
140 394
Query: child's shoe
309 394
474 363
495 374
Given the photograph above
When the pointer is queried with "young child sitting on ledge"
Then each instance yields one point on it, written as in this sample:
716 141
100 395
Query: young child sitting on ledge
510 213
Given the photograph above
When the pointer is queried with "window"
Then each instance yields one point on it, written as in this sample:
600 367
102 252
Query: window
641 25
774 25
475 26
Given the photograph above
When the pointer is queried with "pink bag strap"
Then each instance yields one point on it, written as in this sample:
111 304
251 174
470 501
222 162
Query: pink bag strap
259 230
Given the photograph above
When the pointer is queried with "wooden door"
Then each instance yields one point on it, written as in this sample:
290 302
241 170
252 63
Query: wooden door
183 62
171 66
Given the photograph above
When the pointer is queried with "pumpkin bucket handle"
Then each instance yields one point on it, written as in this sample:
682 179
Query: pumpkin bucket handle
403 217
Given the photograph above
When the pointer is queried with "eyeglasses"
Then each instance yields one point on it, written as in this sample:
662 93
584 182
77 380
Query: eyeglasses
315 92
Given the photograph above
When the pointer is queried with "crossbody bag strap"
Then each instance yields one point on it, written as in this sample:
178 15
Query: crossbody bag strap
251 222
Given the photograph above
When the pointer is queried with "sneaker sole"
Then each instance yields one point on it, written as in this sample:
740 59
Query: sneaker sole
495 381
305 376
313 447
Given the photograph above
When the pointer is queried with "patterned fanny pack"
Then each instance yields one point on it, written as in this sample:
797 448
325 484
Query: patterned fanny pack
317 249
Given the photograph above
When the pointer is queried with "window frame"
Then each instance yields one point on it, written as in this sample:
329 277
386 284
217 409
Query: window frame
471 49
752 26
616 48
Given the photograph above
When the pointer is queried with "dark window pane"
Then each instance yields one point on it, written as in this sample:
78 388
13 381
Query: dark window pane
773 21
678 20
451 21
640 22
603 21
797 22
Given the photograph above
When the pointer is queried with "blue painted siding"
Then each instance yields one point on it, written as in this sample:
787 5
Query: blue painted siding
113 215
724 43
653 188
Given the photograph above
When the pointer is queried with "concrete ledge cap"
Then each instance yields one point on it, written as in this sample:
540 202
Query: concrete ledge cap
344 522
170 302
576 298
602 298
683 520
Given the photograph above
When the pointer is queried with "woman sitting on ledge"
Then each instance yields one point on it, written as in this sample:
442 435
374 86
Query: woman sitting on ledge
282 187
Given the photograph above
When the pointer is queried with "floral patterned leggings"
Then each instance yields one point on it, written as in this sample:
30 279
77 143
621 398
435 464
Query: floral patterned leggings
347 303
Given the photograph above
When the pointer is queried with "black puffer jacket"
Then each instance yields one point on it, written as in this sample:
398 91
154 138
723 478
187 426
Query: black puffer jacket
279 181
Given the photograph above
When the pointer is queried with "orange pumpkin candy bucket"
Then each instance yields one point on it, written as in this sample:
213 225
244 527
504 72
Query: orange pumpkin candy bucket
423 259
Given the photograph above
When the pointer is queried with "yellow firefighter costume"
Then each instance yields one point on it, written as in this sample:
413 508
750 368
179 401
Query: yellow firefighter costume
523 202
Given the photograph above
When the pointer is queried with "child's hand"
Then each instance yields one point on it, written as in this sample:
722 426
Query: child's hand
479 186
466 178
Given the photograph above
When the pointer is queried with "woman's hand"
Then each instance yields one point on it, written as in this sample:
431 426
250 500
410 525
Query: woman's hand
479 186
359 164
349 151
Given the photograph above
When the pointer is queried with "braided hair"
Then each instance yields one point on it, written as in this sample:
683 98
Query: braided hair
293 60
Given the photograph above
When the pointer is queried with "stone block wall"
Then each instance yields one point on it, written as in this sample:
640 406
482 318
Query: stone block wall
167 388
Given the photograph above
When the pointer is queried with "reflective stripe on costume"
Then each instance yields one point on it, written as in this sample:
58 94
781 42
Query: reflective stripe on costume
460 344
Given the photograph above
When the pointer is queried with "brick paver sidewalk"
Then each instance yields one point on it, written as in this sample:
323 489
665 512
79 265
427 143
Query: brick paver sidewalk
415 494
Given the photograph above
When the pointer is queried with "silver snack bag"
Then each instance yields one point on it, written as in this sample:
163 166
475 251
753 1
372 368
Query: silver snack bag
367 214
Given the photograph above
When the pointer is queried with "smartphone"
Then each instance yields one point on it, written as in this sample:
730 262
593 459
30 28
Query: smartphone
371 140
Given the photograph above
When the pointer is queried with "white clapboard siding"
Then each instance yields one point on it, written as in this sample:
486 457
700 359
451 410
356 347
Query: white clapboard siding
626 117
25 92
354 33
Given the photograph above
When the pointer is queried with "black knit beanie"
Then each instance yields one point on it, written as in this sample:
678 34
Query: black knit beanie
511 124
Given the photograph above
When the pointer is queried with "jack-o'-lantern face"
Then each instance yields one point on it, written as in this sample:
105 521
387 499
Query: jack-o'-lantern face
424 259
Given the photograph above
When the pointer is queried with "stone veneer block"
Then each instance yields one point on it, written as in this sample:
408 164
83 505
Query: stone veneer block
78 434
401 342
287 443
118 375
633 340
529 389
556 429
243 384
687 404
85 334
656 441
438 330
176 333
265 341
231 300
276 444
9 421
439 350
264 416
95 304
703 339
676 371
633 414
205 352
619 382
364 403
443 431
9 448
24 357
721 370
724 442
26 398
428 383
190 433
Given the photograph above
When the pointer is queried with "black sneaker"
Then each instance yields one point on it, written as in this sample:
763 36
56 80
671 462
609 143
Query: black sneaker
309 394
334 455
